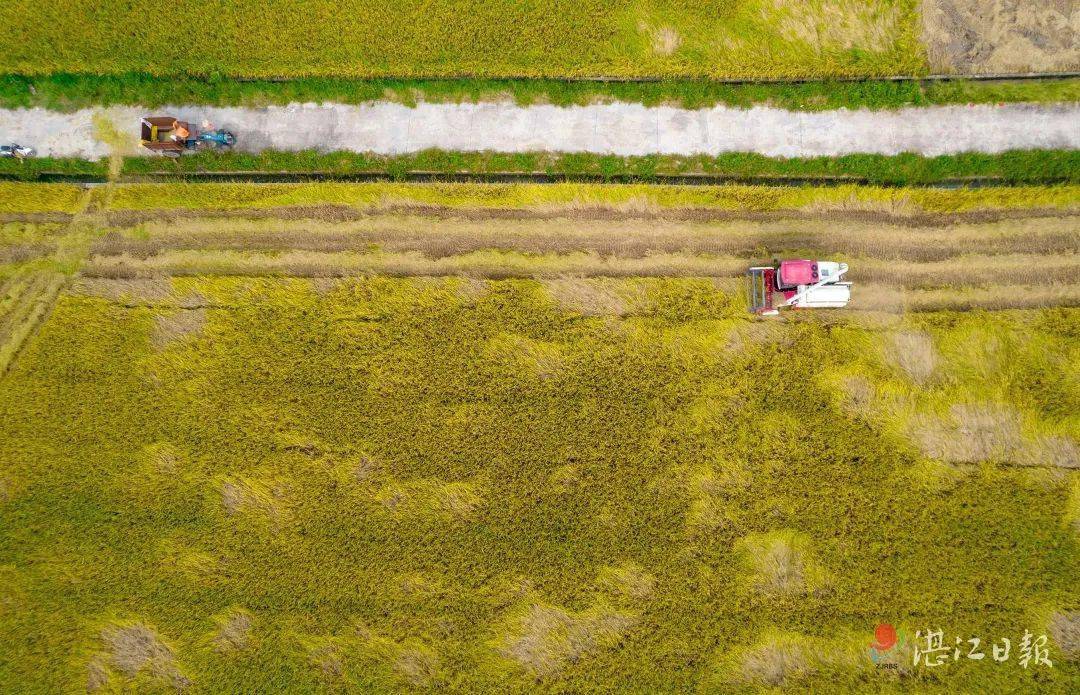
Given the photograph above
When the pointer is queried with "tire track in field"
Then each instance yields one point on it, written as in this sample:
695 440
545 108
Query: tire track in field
30 296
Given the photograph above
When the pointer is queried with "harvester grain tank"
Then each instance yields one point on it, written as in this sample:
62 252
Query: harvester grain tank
799 284
170 137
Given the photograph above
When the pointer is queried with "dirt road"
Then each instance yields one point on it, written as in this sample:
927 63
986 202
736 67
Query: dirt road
623 129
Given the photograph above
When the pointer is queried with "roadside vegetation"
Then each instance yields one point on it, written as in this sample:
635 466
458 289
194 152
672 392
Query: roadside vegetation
1012 168
72 91
1019 166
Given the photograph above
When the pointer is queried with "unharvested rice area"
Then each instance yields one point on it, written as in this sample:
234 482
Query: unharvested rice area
561 200
470 486
463 38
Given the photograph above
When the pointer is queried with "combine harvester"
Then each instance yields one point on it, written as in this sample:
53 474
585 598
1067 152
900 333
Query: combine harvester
802 285
169 137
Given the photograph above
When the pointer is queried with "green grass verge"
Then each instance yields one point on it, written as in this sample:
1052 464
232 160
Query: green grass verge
35 167
478 38
1015 167
69 92
395 485
1022 166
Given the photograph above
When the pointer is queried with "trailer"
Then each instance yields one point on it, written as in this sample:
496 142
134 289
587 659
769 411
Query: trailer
170 137
798 284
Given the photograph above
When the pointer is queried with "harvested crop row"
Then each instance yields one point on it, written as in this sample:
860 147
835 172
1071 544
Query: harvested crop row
560 199
746 238
621 296
960 272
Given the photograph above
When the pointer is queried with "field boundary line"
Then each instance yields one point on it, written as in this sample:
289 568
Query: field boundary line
540 177
613 79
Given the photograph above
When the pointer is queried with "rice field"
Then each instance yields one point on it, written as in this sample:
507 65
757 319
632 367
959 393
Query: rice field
497 439
468 38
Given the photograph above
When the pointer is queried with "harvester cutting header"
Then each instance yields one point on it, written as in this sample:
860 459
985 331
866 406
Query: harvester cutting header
800 284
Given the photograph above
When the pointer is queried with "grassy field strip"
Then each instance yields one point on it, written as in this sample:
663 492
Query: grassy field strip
633 198
1038 167
747 238
71 92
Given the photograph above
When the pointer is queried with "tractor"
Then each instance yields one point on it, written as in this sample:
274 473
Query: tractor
169 137
799 284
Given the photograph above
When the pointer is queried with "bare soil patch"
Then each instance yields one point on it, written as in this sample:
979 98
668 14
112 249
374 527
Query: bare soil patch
914 353
1002 36
177 325
20 253
628 582
593 297
232 634
419 667
781 563
136 648
36 217
548 637
774 663
239 495
1065 631
990 432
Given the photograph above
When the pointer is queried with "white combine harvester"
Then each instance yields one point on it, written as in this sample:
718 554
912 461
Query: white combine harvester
801 284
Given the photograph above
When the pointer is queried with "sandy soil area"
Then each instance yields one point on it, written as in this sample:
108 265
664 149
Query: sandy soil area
998 36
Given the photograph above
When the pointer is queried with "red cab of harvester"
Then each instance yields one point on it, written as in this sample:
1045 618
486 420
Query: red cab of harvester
800 284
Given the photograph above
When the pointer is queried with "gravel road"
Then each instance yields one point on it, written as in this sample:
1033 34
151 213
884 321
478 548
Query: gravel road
623 129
